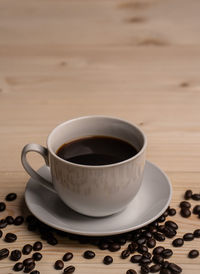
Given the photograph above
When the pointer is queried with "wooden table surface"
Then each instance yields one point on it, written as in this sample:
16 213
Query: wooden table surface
138 60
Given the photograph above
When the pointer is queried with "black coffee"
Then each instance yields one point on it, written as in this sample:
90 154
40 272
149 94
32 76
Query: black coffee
96 150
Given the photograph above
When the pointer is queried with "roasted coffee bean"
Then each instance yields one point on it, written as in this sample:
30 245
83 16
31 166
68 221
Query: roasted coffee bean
125 254
197 233
165 264
35 272
141 241
4 253
172 212
146 255
178 242
188 236
69 269
151 243
131 271
67 256
185 204
196 197
107 260
3 223
37 246
169 232
136 258
28 268
166 213
18 267
103 245
165 271
145 261
37 256
9 220
193 253
114 247
171 224
11 197
152 229
175 268
59 265
147 235
145 269
27 249
15 255
166 253
188 194
196 209
161 228
132 247
158 250
155 268
158 259
88 254
10 238
161 219
28 261
52 241
142 249
2 206
121 241
159 236
1 233
19 220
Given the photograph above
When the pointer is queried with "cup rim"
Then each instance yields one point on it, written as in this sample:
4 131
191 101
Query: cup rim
97 166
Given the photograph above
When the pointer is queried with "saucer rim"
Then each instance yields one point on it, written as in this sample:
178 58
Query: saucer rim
115 232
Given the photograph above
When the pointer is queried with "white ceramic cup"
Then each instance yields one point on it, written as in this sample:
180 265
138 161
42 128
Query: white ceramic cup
92 190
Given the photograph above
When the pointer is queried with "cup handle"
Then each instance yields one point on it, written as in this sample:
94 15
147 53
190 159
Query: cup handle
42 151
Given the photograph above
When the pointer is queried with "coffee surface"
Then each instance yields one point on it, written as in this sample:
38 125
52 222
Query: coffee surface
96 150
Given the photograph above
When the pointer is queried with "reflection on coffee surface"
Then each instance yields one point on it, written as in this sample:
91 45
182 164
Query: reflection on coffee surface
96 150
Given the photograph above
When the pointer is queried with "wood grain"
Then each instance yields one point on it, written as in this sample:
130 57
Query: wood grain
138 60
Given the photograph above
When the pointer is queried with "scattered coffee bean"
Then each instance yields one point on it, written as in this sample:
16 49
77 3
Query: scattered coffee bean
103 245
10 238
59 265
146 255
52 241
125 253
188 194
37 256
114 247
142 249
11 197
121 241
1 233
28 261
132 247
15 255
196 197
178 242
171 224
37 246
175 268
9 220
136 258
27 249
172 212
2 206
155 268
18 267
131 271
152 229
161 219
28 268
193 253
158 250
35 272
165 264
67 256
158 259
161 228
107 260
166 213
145 261
141 241
88 254
159 236
197 233
4 253
185 212
151 243
169 232
188 236
185 204
165 271
166 253
69 269
3 223
145 269
196 209
19 220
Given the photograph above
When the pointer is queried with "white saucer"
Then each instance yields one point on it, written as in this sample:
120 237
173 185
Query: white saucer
151 201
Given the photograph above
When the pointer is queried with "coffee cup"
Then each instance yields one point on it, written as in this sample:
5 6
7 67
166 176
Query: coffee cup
93 190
